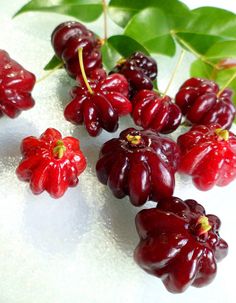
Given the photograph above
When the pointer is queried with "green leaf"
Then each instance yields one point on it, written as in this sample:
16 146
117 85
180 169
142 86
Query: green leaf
225 49
223 77
109 56
53 63
126 45
121 11
85 10
162 45
150 28
114 49
212 21
201 69
199 42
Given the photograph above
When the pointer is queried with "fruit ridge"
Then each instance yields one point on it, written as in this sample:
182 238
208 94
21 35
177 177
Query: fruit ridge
155 112
16 84
202 102
51 163
67 38
101 107
208 154
179 243
140 164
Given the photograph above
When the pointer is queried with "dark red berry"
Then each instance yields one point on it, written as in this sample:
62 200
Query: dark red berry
140 70
51 163
67 38
201 103
101 108
140 164
179 243
16 84
155 112
208 154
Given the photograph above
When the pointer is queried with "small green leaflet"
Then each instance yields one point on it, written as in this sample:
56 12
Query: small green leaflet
85 10
53 63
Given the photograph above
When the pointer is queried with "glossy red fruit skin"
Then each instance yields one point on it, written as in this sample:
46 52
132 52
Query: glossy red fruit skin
42 167
198 101
140 70
170 247
143 171
208 158
67 38
152 111
16 84
100 110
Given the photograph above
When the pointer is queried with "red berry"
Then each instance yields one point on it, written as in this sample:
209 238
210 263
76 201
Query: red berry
208 154
152 111
140 70
199 102
51 163
16 85
140 164
101 108
179 243
67 38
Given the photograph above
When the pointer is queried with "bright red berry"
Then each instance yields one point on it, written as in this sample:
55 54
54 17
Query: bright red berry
179 243
51 163
100 107
140 70
202 102
67 38
208 154
155 112
16 84
140 164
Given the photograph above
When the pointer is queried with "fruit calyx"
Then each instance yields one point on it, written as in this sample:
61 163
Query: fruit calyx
81 64
202 227
135 140
59 149
223 134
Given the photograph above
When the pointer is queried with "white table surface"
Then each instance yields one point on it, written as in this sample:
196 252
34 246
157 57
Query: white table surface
79 248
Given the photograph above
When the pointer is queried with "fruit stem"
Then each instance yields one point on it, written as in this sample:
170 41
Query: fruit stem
223 134
181 57
193 51
59 150
202 226
81 64
227 84
104 6
50 72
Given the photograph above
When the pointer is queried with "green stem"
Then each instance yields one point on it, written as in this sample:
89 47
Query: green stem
104 5
193 51
227 84
181 57
81 64
50 72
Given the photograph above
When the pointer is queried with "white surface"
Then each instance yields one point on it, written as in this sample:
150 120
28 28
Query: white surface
79 248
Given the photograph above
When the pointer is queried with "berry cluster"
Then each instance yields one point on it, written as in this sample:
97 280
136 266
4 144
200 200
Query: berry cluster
179 243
